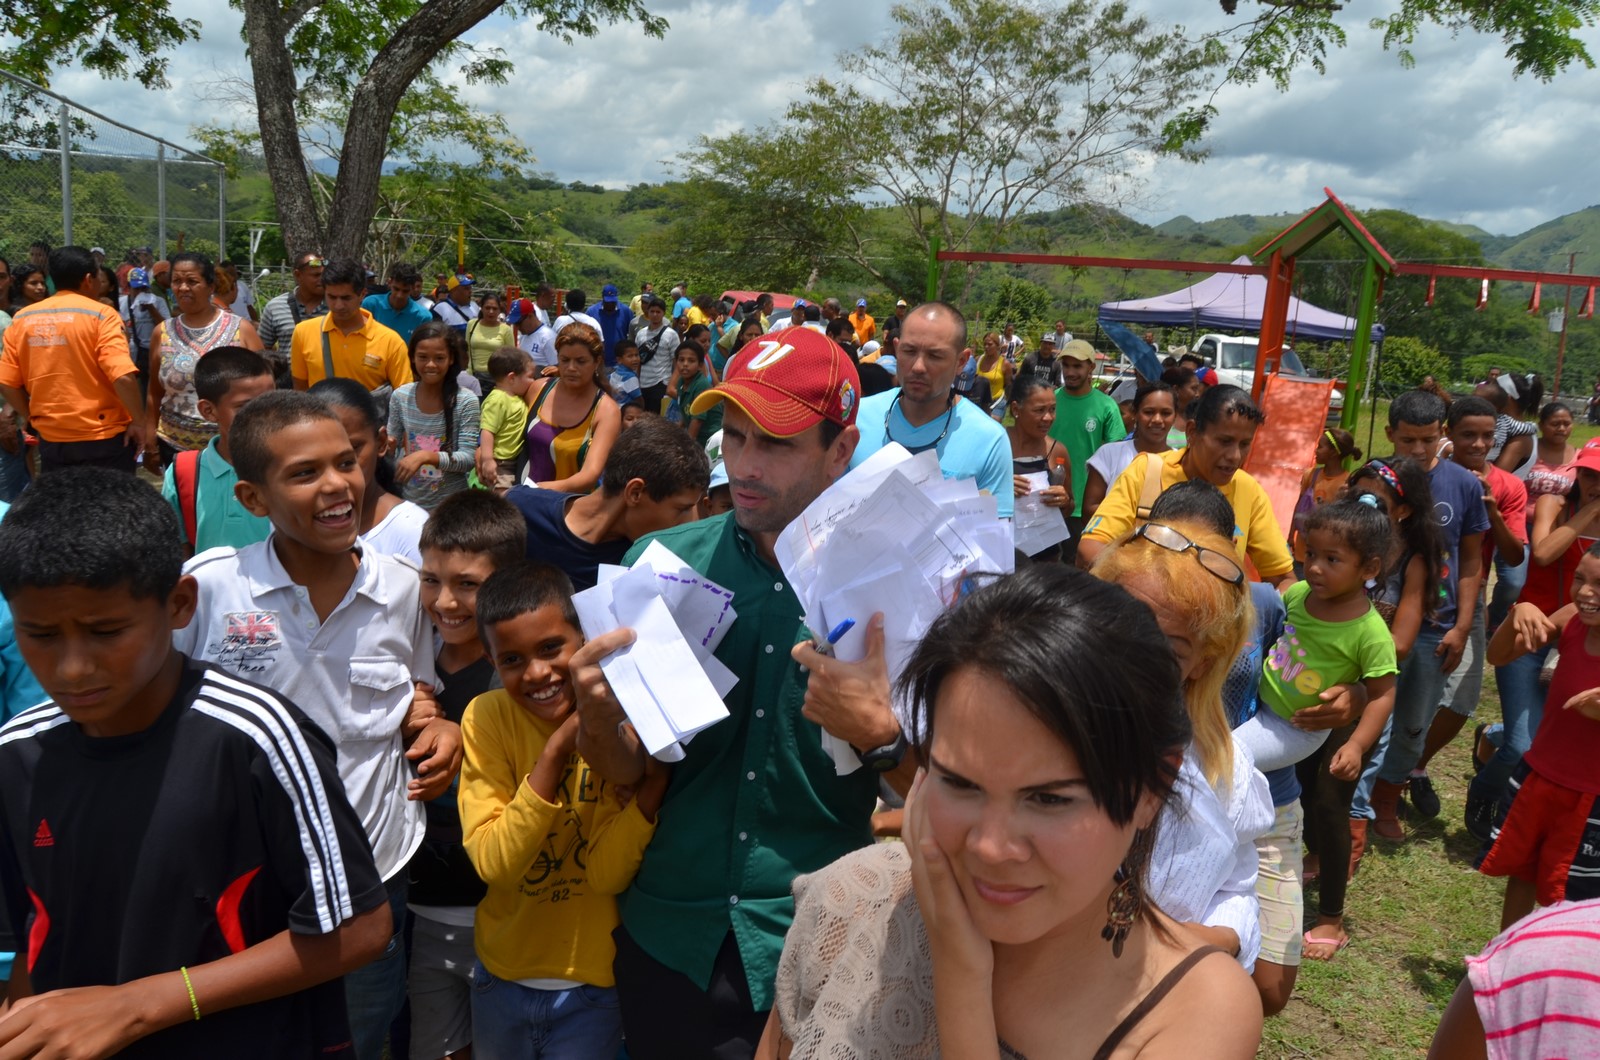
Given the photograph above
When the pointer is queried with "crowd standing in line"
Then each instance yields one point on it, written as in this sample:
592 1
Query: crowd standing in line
342 635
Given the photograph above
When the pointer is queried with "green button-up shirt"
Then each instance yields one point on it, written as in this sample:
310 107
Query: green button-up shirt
756 801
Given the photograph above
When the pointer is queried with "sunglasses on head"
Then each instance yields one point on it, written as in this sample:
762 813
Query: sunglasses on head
1217 563
312 262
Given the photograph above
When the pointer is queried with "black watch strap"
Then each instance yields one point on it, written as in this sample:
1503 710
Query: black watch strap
885 758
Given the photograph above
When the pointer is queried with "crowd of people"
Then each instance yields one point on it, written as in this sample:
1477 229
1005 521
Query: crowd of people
358 784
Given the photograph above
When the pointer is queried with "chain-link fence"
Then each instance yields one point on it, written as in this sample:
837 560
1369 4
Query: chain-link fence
69 175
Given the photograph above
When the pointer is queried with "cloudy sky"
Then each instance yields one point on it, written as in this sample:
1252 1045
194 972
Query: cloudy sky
1455 138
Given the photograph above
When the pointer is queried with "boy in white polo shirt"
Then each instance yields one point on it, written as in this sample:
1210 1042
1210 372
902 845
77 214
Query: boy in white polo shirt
341 632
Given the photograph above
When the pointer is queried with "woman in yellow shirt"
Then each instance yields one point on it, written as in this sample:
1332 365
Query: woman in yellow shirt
701 312
1224 427
488 333
995 369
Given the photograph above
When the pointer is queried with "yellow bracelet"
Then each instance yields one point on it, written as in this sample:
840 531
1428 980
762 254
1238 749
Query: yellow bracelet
194 1004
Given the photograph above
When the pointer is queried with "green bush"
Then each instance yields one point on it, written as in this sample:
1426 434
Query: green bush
1021 302
1407 361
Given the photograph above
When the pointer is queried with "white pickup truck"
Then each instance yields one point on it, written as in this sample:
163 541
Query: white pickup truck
1234 358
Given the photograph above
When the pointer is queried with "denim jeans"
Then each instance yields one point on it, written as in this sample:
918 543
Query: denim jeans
1416 697
1507 586
515 1022
1521 706
375 993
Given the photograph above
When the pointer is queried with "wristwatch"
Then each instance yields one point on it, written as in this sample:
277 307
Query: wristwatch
886 758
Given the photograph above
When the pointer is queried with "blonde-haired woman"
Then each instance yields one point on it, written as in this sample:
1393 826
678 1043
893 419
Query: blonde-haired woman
1203 869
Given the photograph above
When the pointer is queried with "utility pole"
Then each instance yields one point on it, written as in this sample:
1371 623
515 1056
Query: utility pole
1561 345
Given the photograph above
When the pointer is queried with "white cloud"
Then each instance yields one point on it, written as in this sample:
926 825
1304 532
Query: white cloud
1455 138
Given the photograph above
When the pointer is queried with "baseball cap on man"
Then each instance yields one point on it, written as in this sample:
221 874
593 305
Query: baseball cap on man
138 280
1078 350
788 381
608 294
520 307
460 279
861 303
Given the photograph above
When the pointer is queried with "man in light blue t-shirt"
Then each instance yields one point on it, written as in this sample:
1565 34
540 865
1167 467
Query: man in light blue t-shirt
397 310
924 411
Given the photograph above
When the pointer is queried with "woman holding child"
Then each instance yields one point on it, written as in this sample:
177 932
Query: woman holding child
572 421
176 346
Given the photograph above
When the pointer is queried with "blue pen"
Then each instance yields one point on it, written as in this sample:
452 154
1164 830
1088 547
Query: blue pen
834 637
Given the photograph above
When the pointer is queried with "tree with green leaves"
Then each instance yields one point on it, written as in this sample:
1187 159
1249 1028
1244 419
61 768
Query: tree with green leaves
967 116
1273 39
302 53
758 208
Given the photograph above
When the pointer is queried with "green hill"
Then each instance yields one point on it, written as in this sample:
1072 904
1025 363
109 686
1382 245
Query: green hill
1547 246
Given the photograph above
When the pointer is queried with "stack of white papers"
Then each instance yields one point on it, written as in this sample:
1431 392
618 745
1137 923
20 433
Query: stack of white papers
668 681
893 536
1037 527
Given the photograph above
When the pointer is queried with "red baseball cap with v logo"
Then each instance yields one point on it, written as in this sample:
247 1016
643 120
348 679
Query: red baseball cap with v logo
787 381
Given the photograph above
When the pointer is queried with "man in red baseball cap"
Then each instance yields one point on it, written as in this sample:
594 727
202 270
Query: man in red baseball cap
755 801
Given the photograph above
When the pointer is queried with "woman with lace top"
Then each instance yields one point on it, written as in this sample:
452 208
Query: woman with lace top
1013 921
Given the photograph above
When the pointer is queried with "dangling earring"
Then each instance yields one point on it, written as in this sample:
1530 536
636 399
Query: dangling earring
1127 898
1372 583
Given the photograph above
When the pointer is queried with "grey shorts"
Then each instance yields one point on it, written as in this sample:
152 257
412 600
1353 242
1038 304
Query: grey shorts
441 988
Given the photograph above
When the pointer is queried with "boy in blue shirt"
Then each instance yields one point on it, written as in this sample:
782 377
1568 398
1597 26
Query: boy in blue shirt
1416 427
199 484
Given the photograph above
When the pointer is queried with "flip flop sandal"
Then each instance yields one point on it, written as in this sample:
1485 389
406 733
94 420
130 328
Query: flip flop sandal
1337 946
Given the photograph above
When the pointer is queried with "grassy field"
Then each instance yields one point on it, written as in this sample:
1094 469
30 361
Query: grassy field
1413 913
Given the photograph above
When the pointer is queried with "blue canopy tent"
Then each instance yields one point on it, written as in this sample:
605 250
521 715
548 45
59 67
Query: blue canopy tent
1228 302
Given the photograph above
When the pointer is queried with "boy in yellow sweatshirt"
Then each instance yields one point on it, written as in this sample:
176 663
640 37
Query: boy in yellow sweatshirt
554 843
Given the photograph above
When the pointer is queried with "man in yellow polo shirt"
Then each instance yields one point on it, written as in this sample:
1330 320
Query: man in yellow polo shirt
1219 440
357 346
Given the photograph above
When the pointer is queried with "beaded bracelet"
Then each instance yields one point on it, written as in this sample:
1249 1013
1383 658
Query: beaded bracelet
193 1003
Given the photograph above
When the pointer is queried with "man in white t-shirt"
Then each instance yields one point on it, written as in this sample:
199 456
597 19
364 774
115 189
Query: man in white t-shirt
658 345
576 301
795 318
534 336
1011 344
458 309
544 300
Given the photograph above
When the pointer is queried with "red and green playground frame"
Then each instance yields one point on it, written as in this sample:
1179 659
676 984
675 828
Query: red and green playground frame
1278 268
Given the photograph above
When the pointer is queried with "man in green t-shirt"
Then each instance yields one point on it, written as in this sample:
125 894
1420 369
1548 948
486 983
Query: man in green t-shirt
1086 419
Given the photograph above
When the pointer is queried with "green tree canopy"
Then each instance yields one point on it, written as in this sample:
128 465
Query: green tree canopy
303 53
